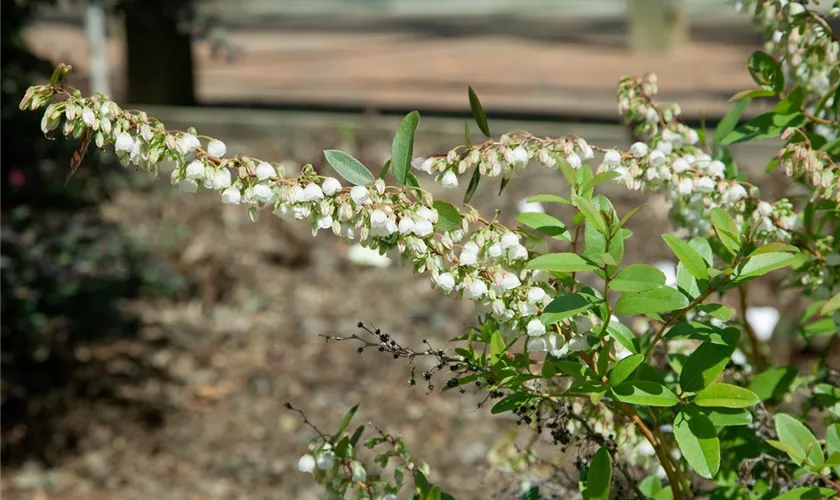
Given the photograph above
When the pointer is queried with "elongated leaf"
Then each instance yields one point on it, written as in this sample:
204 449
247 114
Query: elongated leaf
591 213
346 420
832 305
832 444
730 120
385 169
561 262
773 383
497 346
726 396
792 103
511 402
725 417
766 71
704 365
545 224
474 180
698 441
751 93
478 112
637 278
624 336
566 306
549 198
644 393
598 179
806 493
688 256
765 126
348 167
624 368
761 264
774 247
402 149
449 218
600 476
800 439
654 300
576 370
727 230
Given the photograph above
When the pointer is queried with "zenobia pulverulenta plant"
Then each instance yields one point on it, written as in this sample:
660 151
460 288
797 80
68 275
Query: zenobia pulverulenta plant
687 393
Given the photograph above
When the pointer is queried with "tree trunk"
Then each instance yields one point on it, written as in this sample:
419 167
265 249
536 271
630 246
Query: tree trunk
159 53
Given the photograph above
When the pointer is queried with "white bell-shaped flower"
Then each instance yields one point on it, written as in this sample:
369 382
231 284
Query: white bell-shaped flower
262 192
406 225
124 142
195 170
88 117
265 171
221 179
306 463
536 295
330 186
445 282
216 148
509 240
763 321
312 192
656 158
680 165
476 289
535 328
639 149
449 180
574 160
231 196
359 194
612 157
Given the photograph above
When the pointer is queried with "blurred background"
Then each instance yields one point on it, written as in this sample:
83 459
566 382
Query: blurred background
150 339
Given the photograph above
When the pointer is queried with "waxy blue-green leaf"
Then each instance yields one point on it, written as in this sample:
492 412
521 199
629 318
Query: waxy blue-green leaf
348 167
402 148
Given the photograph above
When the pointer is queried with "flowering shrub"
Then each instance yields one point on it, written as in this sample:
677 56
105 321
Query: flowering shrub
686 392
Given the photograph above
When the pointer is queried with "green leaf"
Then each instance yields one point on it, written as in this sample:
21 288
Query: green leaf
832 444
655 300
831 306
704 332
704 365
766 71
591 213
729 121
474 180
533 493
773 383
478 112
751 93
688 256
624 336
719 311
765 126
549 198
761 264
599 477
793 433
576 370
497 346
637 278
511 402
725 395
545 224
561 262
357 434
598 179
727 230
467 135
774 247
698 441
806 493
644 393
385 169
402 149
626 218
566 306
792 103
624 368
725 417
346 420
348 167
449 218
